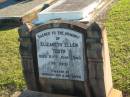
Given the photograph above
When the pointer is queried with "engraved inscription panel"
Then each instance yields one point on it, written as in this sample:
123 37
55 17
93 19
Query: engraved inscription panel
60 54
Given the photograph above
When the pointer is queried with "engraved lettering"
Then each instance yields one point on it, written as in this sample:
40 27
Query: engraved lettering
60 54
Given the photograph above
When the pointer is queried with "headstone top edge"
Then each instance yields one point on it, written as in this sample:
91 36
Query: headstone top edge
60 24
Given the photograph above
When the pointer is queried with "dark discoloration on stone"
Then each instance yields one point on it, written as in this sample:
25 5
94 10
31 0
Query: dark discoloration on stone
54 85
26 57
94 86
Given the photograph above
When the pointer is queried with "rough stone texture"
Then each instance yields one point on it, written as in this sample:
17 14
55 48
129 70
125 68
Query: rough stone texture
98 71
24 11
67 6
28 93
27 58
9 20
20 8
32 14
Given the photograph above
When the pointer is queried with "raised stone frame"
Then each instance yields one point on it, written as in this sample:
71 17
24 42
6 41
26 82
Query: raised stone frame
67 25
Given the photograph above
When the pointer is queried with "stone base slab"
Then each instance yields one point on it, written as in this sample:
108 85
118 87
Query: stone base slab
28 93
115 93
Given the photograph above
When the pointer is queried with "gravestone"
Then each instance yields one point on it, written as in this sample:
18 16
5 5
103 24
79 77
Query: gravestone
63 56
66 58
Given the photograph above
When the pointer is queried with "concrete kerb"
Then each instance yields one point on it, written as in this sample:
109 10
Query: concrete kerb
32 14
99 11
27 17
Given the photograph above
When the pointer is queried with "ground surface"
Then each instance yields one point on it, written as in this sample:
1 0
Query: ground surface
118 26
11 78
17 9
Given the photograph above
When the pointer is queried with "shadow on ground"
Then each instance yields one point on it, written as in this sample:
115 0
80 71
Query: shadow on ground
6 24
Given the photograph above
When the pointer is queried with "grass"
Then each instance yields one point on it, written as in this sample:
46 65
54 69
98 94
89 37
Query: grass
11 78
118 27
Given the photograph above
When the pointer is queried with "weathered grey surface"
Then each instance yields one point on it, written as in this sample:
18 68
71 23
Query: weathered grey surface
69 87
68 10
27 58
60 54
8 12
20 8
97 69
72 5
28 93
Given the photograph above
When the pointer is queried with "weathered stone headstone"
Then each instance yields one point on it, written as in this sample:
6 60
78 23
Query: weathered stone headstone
66 58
